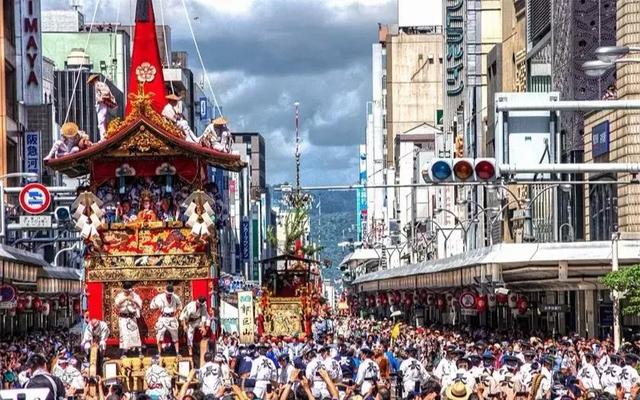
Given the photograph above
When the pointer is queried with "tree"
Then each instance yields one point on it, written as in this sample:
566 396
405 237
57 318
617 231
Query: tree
626 281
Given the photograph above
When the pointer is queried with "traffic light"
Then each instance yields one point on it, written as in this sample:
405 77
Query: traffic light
461 170
486 169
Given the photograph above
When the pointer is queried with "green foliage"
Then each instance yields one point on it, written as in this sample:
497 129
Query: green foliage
295 227
627 281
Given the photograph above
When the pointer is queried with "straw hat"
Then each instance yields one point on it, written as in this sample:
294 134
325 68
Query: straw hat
92 78
172 97
219 121
457 391
69 129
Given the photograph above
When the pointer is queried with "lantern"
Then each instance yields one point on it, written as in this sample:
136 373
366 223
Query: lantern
481 303
431 299
63 300
491 300
76 306
28 305
37 304
416 297
501 298
408 299
441 303
423 296
46 308
20 305
449 297
522 305
384 299
12 312
56 305
513 299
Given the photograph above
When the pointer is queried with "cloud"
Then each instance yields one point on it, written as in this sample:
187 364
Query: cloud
263 55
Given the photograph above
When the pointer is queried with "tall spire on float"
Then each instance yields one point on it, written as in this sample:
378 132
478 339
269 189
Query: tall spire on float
146 67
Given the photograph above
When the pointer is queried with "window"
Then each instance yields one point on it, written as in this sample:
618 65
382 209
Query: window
603 209
9 21
11 99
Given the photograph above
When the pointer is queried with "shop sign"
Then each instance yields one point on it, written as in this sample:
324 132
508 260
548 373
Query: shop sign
32 152
554 308
245 317
454 34
31 47
244 239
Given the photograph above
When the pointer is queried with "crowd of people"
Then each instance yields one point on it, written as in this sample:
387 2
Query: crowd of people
350 358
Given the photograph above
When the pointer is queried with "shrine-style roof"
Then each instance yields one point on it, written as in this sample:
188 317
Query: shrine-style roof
142 134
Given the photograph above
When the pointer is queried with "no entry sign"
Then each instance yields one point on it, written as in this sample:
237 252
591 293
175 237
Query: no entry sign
35 198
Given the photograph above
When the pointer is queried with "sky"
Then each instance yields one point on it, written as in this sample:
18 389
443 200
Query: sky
262 56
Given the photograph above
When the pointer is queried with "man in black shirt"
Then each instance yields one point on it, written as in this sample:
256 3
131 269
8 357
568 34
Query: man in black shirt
41 378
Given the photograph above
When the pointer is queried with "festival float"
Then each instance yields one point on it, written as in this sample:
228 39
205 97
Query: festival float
291 295
147 214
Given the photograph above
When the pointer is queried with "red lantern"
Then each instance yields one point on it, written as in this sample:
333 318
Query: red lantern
481 303
501 298
408 299
384 299
441 303
76 306
422 296
522 305
20 305
513 300
37 304
63 300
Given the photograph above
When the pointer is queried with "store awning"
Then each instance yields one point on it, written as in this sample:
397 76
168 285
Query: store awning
361 255
19 266
517 262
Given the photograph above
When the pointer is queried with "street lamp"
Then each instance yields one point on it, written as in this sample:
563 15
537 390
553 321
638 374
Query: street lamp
611 54
608 57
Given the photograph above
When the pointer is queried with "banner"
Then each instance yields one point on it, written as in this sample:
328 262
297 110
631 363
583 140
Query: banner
244 239
246 320
32 152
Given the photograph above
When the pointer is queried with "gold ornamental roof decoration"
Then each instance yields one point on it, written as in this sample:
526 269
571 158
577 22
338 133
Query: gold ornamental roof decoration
141 107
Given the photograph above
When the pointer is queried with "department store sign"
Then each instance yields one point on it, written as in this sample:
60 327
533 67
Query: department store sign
31 47
454 46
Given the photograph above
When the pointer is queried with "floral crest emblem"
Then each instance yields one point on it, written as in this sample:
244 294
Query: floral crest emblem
145 72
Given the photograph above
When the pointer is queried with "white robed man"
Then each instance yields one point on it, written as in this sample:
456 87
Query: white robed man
195 316
169 305
173 112
104 101
129 306
95 332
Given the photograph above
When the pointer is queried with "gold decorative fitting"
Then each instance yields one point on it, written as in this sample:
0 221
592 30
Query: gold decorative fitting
143 142
145 72
141 106
141 274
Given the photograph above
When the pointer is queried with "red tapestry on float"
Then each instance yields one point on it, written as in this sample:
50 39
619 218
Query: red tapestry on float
146 67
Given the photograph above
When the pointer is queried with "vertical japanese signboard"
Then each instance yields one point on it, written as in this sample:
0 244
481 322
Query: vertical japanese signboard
244 239
32 152
245 317
454 70
31 51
